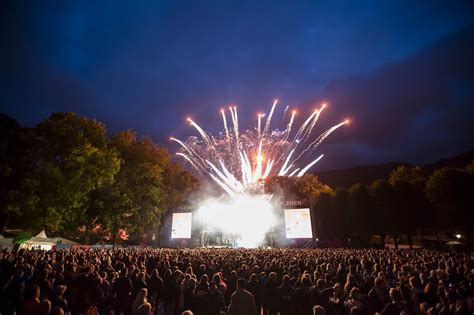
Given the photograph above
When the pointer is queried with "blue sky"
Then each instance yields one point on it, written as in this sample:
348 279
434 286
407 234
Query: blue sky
147 65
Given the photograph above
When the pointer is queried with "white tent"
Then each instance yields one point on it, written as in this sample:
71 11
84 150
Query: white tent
40 241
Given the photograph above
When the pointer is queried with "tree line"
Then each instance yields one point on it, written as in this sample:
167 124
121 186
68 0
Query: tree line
67 176
409 202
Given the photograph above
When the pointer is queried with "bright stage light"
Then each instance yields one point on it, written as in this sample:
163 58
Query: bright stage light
248 217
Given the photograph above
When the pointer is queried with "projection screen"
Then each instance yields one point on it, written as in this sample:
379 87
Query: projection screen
298 223
181 225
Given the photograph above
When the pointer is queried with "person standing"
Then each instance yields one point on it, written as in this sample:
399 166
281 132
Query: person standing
242 301
215 302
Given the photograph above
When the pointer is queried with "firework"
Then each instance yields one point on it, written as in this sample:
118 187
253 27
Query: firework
241 161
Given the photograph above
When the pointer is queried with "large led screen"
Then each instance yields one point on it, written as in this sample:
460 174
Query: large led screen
181 225
298 223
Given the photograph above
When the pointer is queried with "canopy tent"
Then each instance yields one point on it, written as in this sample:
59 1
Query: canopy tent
41 241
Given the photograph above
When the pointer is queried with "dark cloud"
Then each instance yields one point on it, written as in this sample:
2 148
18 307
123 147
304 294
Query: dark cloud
418 110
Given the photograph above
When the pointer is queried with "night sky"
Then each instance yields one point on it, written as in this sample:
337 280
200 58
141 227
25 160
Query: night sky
403 71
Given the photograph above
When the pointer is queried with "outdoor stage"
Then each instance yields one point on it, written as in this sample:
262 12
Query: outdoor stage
294 226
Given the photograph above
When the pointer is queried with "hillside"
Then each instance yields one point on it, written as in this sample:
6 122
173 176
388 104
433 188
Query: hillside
367 174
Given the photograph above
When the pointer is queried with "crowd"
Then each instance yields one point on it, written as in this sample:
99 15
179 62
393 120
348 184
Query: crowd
236 281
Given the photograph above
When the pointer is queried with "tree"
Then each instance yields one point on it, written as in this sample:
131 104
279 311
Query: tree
71 159
343 228
450 192
385 216
178 185
147 185
14 164
408 174
307 187
324 218
360 209
413 207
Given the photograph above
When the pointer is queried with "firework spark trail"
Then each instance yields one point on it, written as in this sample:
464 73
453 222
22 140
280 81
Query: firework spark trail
191 152
284 169
284 113
268 169
271 153
224 120
248 168
182 144
224 186
235 121
303 127
258 168
285 137
245 170
290 124
304 170
259 125
269 119
229 175
203 134
320 139
189 159
293 173
226 180
296 139
315 120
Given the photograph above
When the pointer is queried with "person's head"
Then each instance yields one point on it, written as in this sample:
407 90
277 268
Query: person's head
188 312
395 295
32 292
273 276
253 278
187 277
286 279
430 289
306 281
350 279
45 307
204 279
337 288
356 311
177 275
216 278
144 309
124 272
319 310
356 294
379 282
141 295
103 274
212 286
241 283
59 291
320 284
57 311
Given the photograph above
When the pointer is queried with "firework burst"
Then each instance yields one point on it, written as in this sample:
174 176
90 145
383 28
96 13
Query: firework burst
241 161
